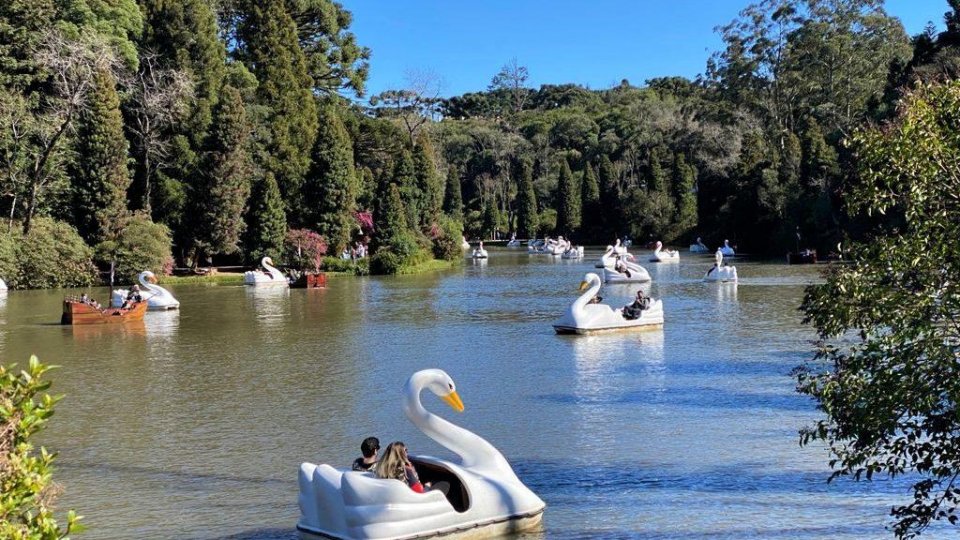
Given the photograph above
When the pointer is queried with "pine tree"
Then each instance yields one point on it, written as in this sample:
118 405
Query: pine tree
685 199
610 196
390 220
590 198
224 182
100 178
429 183
266 220
568 201
330 189
22 24
406 181
273 52
527 217
452 198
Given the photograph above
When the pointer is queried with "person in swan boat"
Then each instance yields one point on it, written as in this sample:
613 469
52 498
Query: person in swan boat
133 297
634 310
396 464
368 461
621 266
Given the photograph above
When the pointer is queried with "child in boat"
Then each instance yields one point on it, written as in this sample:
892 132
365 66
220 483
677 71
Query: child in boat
133 297
368 461
634 310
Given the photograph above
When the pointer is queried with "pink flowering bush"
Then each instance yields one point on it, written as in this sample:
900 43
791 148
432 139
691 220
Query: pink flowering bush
304 249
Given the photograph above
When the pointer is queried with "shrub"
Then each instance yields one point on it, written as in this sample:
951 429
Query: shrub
447 237
385 261
53 255
142 245
304 249
8 256
27 496
359 267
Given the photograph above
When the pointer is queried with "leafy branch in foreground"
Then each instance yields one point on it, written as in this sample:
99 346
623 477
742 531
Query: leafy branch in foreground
889 356
27 493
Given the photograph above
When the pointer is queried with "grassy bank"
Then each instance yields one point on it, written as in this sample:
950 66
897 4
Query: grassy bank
216 279
433 265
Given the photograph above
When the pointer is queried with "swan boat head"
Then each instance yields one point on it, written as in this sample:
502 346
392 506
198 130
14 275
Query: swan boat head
484 491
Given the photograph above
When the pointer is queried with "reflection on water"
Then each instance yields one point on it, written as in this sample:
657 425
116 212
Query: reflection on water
194 426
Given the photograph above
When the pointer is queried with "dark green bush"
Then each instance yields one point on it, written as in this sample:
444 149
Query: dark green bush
447 239
385 262
53 255
142 245
8 256
360 267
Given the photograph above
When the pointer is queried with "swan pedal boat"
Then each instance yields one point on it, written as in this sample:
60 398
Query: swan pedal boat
485 497
726 249
699 247
158 298
513 243
634 274
479 252
585 318
270 277
609 257
721 273
77 312
464 244
573 253
661 255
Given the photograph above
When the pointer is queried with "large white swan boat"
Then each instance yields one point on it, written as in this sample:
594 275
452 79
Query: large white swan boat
158 298
719 272
585 318
269 277
479 252
464 244
485 497
624 271
662 255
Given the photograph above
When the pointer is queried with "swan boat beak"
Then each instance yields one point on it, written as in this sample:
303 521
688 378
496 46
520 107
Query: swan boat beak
453 400
584 285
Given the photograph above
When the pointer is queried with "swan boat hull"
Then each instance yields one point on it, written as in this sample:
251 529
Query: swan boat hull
154 302
725 274
601 319
636 275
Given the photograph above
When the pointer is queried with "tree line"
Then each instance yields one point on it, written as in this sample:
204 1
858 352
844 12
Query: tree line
150 133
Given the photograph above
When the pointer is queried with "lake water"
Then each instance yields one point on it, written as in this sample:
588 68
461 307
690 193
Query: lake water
194 424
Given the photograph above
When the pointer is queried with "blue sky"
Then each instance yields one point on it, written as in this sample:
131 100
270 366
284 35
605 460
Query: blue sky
595 43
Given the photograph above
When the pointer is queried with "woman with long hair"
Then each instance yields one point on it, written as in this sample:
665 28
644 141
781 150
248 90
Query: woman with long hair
396 465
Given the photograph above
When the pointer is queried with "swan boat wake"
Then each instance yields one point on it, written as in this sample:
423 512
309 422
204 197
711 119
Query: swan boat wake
158 298
585 318
485 497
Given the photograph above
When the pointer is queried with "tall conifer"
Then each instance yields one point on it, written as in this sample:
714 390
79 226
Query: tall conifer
406 180
330 189
266 220
610 196
224 182
685 199
390 220
273 53
100 176
452 197
568 201
590 199
429 183
527 217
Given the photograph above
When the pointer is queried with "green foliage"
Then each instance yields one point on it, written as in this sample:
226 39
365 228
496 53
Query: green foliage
568 201
53 255
22 23
141 245
8 256
223 186
452 197
885 375
390 217
490 219
272 50
610 196
119 22
429 183
266 221
447 240
28 495
527 217
335 60
330 190
404 177
100 176
359 267
304 249
684 197
385 262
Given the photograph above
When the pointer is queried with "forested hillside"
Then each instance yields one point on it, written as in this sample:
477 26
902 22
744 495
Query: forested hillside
154 133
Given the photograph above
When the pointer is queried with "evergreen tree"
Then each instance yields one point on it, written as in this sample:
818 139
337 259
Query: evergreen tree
330 189
22 24
273 53
224 181
183 35
406 181
100 176
527 218
491 218
390 221
685 198
452 198
266 220
367 189
590 198
429 183
610 196
568 201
